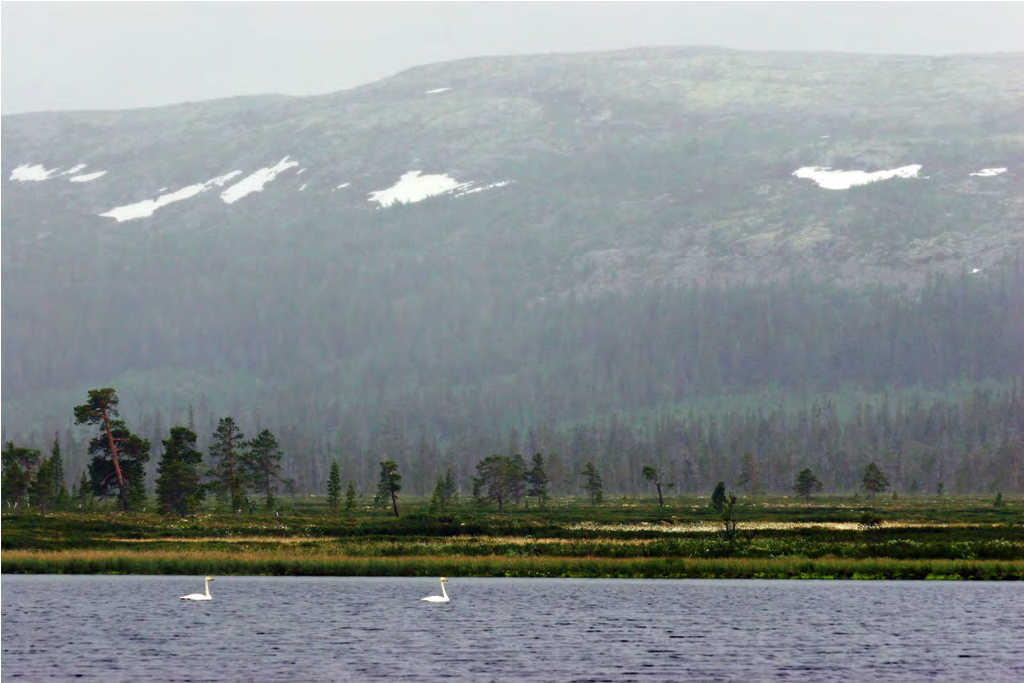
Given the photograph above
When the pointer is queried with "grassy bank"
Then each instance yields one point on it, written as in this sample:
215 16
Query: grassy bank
775 538
281 563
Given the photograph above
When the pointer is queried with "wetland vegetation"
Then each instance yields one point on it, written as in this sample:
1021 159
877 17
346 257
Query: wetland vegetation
626 537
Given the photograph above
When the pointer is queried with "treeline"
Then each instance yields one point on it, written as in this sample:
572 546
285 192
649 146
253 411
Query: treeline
973 444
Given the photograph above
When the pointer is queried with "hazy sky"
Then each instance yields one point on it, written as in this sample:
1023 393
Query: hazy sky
111 55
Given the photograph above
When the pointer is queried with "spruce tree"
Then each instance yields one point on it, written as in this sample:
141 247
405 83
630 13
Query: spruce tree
593 484
229 472
437 499
444 494
390 484
41 490
262 460
19 466
334 487
449 488
351 498
718 497
83 492
537 480
60 487
178 487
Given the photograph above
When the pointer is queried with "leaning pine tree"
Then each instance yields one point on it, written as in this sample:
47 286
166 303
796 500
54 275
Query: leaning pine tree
119 457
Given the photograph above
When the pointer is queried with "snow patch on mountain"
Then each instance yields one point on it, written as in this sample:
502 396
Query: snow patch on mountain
148 207
255 181
502 183
436 90
86 177
413 187
32 173
843 180
989 172
38 172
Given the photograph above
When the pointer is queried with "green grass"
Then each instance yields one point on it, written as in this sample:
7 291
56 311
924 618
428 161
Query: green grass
919 538
287 564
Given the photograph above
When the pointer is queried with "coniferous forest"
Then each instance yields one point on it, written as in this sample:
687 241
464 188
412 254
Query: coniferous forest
747 385
627 259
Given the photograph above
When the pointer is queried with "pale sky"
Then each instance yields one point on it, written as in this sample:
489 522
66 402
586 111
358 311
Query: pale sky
122 55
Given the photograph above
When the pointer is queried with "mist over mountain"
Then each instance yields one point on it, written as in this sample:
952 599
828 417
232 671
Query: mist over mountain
498 243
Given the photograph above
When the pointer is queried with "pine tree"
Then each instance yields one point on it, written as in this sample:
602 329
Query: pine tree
652 475
334 487
178 487
119 456
874 481
499 479
806 484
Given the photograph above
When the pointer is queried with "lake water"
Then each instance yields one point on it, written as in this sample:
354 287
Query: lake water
133 628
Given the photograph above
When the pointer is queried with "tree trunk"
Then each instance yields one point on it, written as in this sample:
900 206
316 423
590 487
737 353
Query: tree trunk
661 501
122 489
394 502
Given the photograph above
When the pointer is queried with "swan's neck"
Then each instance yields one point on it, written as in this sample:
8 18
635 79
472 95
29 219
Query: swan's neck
444 592
207 588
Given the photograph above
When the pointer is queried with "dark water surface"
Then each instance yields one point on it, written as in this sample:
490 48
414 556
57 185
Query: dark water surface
133 628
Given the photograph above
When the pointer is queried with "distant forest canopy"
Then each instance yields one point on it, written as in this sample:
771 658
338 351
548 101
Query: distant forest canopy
971 444
665 375
449 358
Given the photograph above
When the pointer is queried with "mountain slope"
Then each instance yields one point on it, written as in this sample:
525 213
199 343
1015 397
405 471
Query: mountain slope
397 240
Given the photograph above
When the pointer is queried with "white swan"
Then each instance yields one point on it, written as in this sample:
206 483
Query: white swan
200 596
438 598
